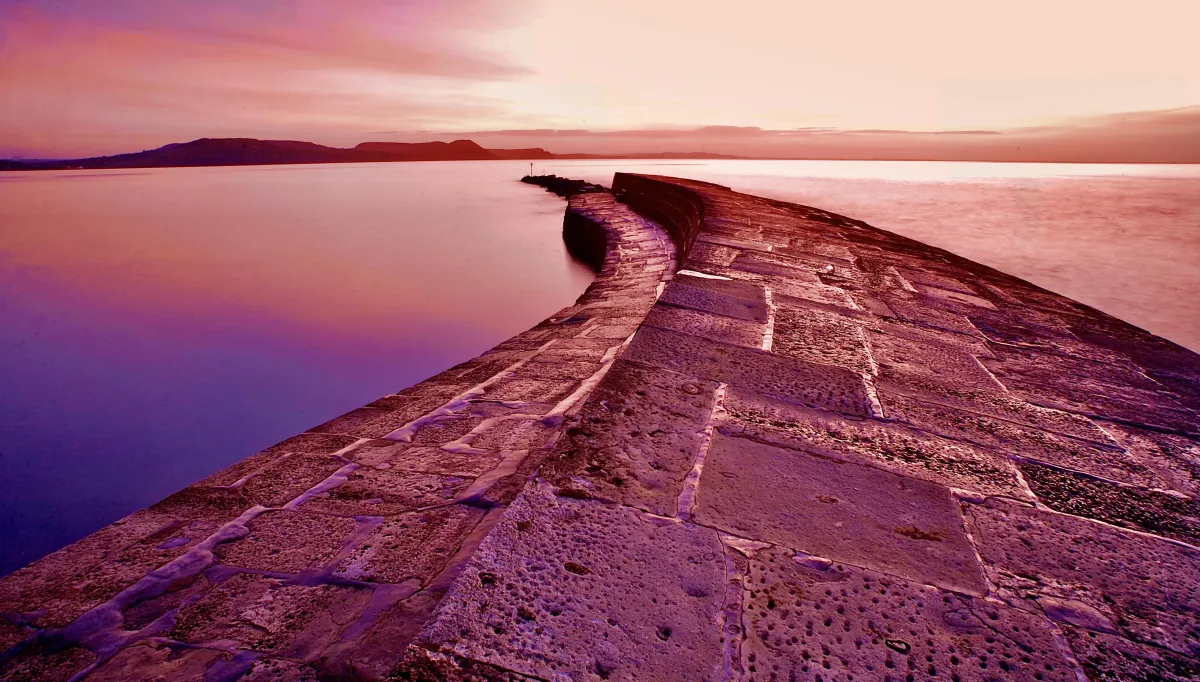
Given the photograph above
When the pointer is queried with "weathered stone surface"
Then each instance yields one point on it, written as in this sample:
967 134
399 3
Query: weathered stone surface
1149 510
287 542
742 300
821 337
1111 659
371 491
808 618
790 379
1148 588
151 662
414 545
271 616
721 328
851 513
894 447
582 589
636 440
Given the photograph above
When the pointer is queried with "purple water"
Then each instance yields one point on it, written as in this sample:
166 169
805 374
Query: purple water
159 325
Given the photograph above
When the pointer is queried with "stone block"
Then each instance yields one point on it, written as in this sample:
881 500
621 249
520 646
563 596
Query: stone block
815 620
786 378
286 479
271 616
636 438
742 300
889 446
1106 658
820 337
1148 588
843 511
577 589
410 546
721 328
287 542
371 491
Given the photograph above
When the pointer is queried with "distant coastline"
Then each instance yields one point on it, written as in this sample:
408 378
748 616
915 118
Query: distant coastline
252 152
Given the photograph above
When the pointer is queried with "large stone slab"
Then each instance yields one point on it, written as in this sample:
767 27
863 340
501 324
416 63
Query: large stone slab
578 589
1143 587
889 446
806 383
808 619
636 439
843 511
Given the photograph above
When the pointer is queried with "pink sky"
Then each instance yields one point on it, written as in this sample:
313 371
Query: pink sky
83 78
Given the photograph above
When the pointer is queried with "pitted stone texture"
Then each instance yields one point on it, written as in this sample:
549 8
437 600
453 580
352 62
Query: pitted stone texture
1106 658
576 589
889 446
287 542
808 619
1021 441
742 300
636 439
721 328
157 662
278 670
821 337
271 616
789 379
1148 588
1147 510
385 492
410 546
851 513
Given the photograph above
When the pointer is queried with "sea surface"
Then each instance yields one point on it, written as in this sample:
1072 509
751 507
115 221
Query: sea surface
159 325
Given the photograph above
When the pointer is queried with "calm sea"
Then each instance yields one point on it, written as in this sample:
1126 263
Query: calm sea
158 325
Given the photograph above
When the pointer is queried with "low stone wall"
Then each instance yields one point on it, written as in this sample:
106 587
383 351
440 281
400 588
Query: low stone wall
816 450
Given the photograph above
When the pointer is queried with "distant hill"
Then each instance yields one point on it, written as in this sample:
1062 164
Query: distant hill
238 151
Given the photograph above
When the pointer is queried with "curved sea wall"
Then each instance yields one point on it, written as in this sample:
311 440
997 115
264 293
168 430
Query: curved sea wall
769 442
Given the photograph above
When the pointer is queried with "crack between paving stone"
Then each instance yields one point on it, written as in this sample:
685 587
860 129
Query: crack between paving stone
691 483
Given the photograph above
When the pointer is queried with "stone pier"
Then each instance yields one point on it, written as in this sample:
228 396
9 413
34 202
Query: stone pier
768 443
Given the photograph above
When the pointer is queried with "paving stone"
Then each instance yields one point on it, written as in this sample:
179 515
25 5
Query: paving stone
928 368
429 460
285 480
1106 658
843 511
636 438
1148 588
532 390
371 491
816 620
512 434
271 616
820 337
786 378
278 670
889 446
924 314
707 253
411 546
415 408
932 278
446 430
1174 458
155 662
1146 510
578 588
743 300
721 328
46 662
287 542
1018 440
